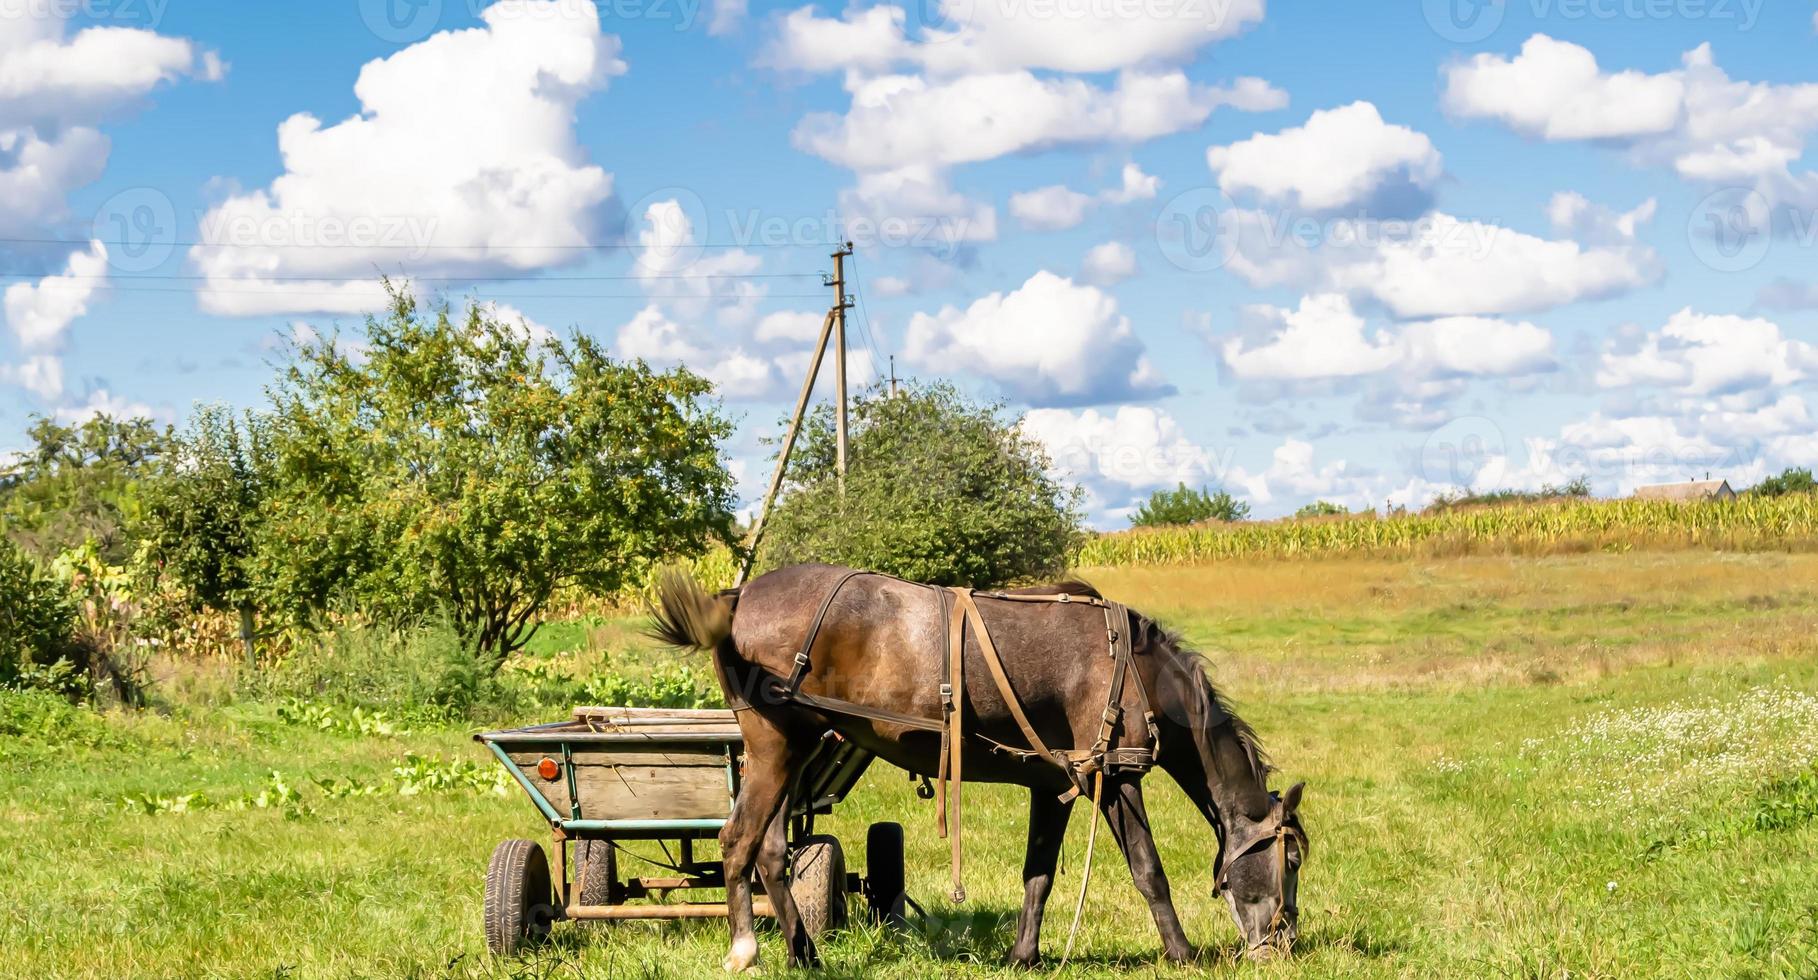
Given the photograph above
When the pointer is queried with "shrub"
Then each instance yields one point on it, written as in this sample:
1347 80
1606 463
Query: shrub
1320 508
1185 505
941 489
37 616
1790 481
1578 489
465 469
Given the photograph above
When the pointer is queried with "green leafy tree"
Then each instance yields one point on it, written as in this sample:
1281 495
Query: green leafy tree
37 616
81 483
203 516
1792 480
940 489
1321 508
458 467
1185 505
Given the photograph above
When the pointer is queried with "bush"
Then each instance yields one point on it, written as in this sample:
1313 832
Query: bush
414 675
1789 481
1184 505
941 489
1578 489
37 617
464 469
1320 508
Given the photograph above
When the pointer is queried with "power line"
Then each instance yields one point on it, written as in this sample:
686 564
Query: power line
865 326
474 278
489 246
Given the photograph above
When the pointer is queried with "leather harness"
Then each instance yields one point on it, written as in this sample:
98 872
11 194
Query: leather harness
1078 765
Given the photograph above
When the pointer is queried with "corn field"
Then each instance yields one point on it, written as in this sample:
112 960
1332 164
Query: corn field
1745 523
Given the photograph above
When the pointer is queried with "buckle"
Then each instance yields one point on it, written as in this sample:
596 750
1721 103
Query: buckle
947 694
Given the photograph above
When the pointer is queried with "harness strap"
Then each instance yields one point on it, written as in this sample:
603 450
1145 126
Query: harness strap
995 663
794 684
956 709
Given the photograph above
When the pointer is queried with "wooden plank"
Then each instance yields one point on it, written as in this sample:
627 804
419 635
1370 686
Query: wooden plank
658 791
656 716
621 754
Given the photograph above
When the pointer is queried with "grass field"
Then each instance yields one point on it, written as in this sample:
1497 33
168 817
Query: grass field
1588 765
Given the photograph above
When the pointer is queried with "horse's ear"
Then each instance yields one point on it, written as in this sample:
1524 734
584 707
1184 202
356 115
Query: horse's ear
1290 801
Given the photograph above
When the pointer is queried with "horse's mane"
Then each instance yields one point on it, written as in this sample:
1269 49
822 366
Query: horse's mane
1152 636
1218 707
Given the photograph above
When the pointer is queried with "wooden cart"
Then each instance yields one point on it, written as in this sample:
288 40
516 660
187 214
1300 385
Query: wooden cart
615 775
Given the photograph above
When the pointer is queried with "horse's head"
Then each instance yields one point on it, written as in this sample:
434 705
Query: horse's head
1260 876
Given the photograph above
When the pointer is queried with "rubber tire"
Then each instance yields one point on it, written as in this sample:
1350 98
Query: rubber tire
817 882
884 873
596 864
520 904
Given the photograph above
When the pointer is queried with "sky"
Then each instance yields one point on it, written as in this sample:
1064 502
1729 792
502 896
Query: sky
1364 253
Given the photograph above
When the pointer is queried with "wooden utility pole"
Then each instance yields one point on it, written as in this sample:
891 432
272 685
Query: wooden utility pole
834 324
840 303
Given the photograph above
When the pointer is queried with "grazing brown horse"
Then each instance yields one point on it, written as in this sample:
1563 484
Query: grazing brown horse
882 643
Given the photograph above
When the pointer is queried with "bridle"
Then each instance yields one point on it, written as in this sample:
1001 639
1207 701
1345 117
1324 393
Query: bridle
1274 838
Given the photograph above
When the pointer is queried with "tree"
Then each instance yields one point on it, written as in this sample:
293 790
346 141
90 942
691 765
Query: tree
203 515
1791 480
941 489
1185 505
463 468
81 483
37 615
1321 508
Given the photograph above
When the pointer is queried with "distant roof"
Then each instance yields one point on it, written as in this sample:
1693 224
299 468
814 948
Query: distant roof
1696 490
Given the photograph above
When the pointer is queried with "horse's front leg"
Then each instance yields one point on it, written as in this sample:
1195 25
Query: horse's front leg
1047 829
1129 821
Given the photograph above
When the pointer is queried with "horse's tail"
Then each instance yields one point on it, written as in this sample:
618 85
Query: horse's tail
686 616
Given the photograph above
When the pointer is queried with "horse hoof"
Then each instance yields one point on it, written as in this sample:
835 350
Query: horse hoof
743 957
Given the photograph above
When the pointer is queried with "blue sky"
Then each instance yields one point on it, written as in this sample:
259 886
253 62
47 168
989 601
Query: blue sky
1359 252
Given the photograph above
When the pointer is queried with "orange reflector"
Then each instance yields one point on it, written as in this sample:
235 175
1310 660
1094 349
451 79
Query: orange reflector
548 769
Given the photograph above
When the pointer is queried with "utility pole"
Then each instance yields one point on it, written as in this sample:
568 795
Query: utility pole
840 303
834 324
893 375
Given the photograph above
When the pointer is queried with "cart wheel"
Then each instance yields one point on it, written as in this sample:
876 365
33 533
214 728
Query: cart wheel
884 885
597 862
817 882
519 902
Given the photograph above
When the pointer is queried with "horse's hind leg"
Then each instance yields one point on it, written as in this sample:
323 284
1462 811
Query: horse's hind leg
1047 829
1129 821
770 762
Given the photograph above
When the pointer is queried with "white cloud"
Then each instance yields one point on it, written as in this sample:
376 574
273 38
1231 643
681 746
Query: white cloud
654 337
1050 342
1323 339
39 314
1437 266
793 326
463 159
1136 186
970 92
897 120
1697 120
1053 208
977 38
728 17
672 266
1573 215
1119 455
1108 264
1555 90
101 401
1342 159
55 87
1697 354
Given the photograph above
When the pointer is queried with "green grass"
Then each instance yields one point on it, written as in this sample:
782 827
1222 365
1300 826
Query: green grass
1589 766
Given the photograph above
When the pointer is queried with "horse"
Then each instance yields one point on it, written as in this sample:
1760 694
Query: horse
806 649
